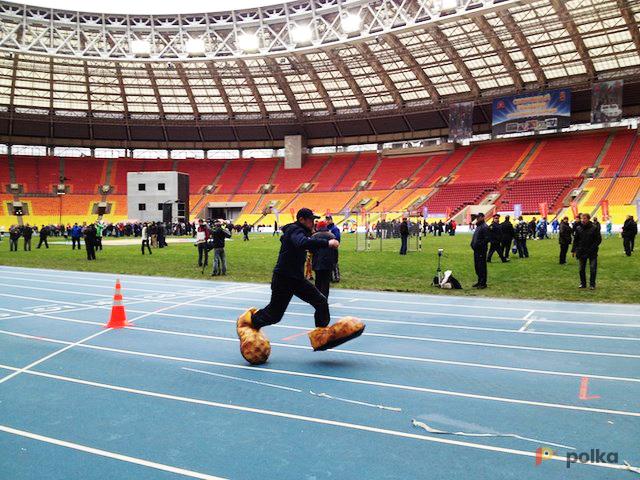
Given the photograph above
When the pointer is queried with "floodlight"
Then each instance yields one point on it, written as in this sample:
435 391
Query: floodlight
248 43
351 23
195 47
301 34
140 48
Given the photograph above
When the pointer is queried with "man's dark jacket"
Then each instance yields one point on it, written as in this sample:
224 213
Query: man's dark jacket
495 232
480 237
218 235
566 233
295 241
629 229
324 258
507 231
586 240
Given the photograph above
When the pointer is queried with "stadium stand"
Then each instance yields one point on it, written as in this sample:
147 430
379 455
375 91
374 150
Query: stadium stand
85 175
617 153
564 156
260 173
359 171
595 191
322 202
37 174
456 196
631 166
202 172
334 171
492 161
291 179
440 166
530 193
4 172
233 176
119 170
394 169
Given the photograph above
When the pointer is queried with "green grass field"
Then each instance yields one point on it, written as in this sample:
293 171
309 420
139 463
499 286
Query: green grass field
538 277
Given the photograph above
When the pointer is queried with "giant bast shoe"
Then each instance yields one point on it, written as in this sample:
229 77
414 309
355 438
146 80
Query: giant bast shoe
254 345
345 329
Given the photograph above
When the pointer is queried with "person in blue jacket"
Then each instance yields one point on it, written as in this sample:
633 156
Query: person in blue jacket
76 233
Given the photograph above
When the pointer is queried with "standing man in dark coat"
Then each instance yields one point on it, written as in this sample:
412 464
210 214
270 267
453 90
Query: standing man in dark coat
14 235
521 234
495 238
44 233
564 238
324 260
508 233
479 244
27 233
404 236
246 228
90 241
288 275
333 228
629 232
219 235
585 247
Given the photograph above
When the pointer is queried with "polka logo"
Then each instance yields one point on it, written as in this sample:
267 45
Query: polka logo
544 453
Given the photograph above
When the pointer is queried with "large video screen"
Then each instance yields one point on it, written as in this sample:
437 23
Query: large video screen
532 111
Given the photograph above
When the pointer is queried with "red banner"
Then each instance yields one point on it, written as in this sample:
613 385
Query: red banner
544 209
574 209
448 214
363 214
468 216
293 214
605 208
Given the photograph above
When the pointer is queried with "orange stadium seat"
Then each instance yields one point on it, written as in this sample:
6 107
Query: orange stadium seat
440 166
233 175
617 152
260 173
334 171
333 202
291 179
492 161
358 172
394 169
201 172
631 166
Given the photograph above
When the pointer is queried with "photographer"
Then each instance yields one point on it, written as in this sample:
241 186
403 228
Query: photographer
202 237
220 233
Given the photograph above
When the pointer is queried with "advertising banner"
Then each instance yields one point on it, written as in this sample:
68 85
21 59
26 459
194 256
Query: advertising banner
544 209
532 112
606 102
517 210
460 121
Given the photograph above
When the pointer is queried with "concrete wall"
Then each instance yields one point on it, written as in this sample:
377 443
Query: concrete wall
151 196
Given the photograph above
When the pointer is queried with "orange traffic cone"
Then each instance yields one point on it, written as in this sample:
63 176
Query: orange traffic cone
118 316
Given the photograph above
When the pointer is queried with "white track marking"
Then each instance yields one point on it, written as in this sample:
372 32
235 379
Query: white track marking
471 301
355 381
282 387
381 335
105 453
322 421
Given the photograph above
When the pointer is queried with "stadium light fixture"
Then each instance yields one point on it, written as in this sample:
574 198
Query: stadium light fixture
140 48
302 34
248 43
195 47
351 23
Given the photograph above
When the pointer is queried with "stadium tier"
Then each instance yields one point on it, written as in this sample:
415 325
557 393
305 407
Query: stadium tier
531 193
233 176
260 173
617 153
631 166
290 180
452 197
5 178
119 170
490 162
85 175
38 174
395 169
564 156
440 166
334 171
202 173
358 172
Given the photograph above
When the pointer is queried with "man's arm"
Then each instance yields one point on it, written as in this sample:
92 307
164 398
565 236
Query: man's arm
301 241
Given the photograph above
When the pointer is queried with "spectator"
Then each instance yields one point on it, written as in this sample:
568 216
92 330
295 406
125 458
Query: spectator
145 238
27 233
333 228
14 235
521 234
404 236
324 259
162 242
90 240
609 228
275 228
629 232
246 228
99 233
153 234
586 242
479 244
76 233
495 238
219 258
44 233
555 225
532 228
452 228
565 239
202 237
507 236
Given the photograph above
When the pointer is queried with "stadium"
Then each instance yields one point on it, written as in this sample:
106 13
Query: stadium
372 114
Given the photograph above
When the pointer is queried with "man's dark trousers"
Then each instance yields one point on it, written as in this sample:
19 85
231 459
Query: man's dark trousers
403 246
283 288
73 243
43 240
91 252
564 248
627 243
480 263
323 280
593 269
497 248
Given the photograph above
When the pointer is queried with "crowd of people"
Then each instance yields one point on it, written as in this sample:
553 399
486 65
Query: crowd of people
583 234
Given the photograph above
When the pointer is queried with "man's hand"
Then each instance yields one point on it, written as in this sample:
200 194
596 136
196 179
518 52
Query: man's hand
333 243
573 254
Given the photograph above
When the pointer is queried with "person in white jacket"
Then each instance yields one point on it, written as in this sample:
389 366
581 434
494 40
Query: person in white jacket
145 238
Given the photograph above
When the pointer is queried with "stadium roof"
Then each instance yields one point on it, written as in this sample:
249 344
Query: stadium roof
327 69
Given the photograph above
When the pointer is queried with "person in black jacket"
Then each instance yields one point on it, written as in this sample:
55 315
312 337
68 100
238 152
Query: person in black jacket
44 233
288 275
521 234
324 260
90 241
586 241
14 235
495 238
27 233
564 238
629 232
479 244
404 236
508 233
219 235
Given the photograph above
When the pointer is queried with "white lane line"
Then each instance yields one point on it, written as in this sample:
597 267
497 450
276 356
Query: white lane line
528 322
471 302
321 421
375 320
380 335
354 381
105 453
80 342
528 315
282 387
